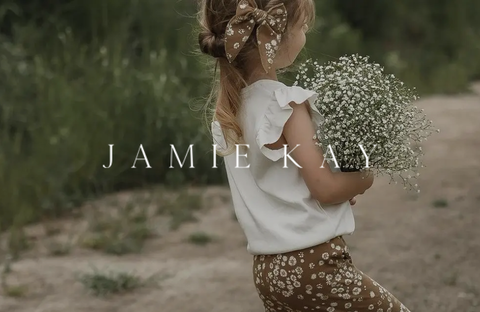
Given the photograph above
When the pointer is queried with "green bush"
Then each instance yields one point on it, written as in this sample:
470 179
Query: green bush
63 105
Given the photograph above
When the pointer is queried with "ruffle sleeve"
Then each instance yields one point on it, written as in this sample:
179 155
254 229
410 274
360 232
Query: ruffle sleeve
218 138
277 114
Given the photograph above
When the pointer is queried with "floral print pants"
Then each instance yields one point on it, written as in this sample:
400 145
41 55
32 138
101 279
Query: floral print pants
321 278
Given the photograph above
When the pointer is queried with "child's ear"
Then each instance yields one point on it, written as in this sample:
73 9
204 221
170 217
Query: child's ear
305 28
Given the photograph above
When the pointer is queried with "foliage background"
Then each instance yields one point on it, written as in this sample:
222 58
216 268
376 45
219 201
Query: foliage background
76 76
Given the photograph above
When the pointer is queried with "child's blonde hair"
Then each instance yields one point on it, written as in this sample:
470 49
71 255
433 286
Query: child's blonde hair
214 16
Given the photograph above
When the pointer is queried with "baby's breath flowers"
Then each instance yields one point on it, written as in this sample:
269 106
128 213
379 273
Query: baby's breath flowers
364 108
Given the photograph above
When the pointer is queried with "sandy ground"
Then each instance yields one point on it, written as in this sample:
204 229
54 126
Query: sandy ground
428 256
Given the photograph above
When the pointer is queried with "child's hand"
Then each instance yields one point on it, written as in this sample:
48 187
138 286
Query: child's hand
353 201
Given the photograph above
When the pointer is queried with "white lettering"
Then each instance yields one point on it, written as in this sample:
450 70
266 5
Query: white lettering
214 156
238 155
334 159
145 157
288 156
365 154
111 156
173 150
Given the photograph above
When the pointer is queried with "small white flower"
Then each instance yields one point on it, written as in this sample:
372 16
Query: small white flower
360 109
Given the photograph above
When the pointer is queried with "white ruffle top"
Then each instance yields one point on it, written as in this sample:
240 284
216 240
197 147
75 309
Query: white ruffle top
273 204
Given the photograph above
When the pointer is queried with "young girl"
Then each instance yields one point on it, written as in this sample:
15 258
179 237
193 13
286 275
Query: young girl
293 209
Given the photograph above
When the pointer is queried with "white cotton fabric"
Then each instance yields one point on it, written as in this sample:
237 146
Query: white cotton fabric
273 204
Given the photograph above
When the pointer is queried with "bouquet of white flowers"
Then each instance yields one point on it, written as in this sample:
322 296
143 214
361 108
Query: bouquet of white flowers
370 120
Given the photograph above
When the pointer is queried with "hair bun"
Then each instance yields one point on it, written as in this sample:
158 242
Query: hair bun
211 44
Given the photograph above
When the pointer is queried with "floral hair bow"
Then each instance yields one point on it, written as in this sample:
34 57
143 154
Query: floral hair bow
271 25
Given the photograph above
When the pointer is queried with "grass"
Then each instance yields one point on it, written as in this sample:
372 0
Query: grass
51 230
126 229
118 228
440 203
180 217
122 233
226 198
59 248
56 245
451 278
111 283
18 242
15 291
200 238
181 208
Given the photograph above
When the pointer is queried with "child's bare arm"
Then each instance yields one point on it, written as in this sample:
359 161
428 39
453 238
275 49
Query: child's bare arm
326 186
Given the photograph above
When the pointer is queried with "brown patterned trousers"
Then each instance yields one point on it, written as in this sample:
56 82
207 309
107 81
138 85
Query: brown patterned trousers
321 278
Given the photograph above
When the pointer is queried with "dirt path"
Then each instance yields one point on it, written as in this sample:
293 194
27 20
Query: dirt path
427 256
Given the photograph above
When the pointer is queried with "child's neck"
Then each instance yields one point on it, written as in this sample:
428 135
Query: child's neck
259 75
